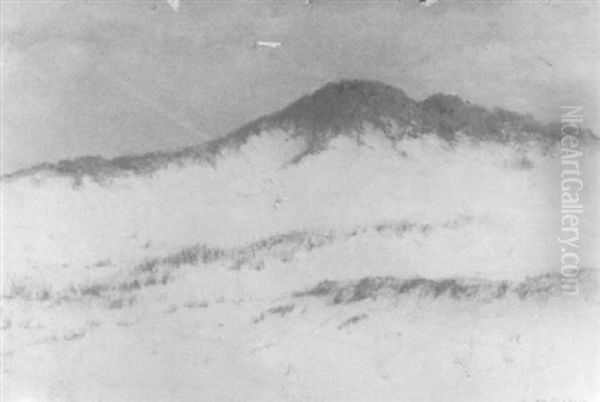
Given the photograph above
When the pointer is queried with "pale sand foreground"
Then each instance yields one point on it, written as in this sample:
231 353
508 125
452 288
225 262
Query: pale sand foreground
168 347
181 285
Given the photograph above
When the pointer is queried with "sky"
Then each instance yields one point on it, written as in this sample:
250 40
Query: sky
105 77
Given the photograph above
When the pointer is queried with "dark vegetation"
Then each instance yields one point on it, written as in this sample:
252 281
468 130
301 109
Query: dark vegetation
284 247
158 271
279 310
353 320
371 288
345 107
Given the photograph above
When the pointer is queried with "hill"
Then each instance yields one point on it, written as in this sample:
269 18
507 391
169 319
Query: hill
343 108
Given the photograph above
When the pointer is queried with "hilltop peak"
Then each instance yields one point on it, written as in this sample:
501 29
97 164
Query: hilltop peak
348 107
343 106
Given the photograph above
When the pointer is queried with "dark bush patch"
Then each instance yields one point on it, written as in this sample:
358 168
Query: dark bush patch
93 290
117 304
129 286
148 266
324 288
352 320
103 263
281 310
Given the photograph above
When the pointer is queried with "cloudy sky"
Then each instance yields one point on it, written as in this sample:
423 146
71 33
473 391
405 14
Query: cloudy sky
110 77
